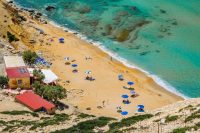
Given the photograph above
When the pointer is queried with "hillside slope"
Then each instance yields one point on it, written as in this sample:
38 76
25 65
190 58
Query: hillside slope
177 118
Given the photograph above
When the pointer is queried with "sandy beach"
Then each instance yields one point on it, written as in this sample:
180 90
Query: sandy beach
103 94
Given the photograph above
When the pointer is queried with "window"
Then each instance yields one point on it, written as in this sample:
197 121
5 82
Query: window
19 82
22 70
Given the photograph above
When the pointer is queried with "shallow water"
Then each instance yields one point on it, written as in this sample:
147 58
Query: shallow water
159 36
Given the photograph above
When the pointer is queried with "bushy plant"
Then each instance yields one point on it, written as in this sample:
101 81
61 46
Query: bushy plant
82 115
180 130
17 112
195 115
29 57
38 88
86 126
38 74
10 126
52 93
129 121
57 119
171 118
3 81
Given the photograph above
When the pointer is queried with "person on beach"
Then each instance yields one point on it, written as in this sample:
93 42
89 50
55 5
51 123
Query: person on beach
103 103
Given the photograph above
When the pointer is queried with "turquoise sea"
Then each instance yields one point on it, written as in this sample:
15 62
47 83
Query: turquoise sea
161 37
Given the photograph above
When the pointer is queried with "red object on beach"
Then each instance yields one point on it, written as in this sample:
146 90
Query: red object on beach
34 102
17 72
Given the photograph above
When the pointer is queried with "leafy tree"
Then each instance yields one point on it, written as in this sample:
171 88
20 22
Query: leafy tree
38 74
29 57
38 88
52 93
3 81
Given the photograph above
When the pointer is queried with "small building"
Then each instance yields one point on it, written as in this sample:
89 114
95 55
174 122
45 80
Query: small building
19 77
50 77
17 72
13 61
35 102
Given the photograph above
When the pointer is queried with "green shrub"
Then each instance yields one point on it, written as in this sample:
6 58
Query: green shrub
13 124
184 129
57 119
16 112
2 122
11 37
129 121
180 130
38 74
194 115
29 57
171 118
197 126
51 93
3 81
82 115
86 126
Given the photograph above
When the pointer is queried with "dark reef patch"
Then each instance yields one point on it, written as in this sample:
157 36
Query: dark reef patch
144 53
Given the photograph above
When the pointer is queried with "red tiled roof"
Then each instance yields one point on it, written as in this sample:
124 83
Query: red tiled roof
34 101
17 72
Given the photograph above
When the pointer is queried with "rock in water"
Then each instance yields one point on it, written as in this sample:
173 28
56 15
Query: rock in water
50 8
84 10
123 35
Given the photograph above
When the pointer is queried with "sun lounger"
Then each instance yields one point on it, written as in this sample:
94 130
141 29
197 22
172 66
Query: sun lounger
89 78
126 102
128 88
134 95
140 110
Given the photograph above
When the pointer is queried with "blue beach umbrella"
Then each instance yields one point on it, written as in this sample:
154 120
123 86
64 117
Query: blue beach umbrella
74 65
61 40
124 113
130 83
140 106
124 96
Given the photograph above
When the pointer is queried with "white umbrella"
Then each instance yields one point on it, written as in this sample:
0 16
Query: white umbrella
88 72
